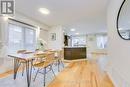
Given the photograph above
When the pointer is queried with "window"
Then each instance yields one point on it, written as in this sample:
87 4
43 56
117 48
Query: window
78 40
30 39
101 41
21 37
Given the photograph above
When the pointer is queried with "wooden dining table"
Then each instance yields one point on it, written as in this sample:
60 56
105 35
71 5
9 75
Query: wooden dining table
28 60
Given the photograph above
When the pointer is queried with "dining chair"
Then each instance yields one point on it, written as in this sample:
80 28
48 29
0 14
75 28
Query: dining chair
39 57
44 65
60 58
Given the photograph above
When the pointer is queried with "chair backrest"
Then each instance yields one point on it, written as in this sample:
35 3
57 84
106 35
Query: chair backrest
39 58
50 57
21 51
60 54
40 55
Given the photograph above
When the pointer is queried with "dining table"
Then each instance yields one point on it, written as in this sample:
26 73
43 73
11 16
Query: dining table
28 60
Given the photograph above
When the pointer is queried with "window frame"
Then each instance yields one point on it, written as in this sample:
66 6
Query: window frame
104 37
24 27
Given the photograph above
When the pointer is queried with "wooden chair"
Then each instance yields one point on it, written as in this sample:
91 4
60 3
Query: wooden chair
43 65
39 58
60 58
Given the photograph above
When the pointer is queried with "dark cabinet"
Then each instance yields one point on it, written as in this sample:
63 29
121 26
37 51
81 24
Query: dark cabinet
75 53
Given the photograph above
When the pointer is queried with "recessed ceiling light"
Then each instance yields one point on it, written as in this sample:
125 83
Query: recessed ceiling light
77 33
44 11
72 29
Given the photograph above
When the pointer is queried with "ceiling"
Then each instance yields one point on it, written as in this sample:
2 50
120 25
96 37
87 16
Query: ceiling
87 26
80 14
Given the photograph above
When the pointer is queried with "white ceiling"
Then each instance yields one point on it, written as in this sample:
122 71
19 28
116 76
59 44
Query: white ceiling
79 14
87 26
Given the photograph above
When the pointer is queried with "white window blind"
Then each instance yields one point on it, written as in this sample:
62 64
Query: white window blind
101 41
21 37
30 39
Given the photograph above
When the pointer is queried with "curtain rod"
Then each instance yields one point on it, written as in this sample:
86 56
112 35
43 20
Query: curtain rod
22 22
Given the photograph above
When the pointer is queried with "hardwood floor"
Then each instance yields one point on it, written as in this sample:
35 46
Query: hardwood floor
81 74
8 73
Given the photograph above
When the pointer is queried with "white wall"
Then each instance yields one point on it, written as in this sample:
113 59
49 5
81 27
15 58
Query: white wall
2 42
91 42
44 35
3 34
59 42
118 49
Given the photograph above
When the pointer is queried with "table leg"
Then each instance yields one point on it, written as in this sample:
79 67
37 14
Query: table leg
16 66
44 76
29 71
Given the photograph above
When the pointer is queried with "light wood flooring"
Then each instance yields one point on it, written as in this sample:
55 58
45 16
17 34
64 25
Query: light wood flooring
82 74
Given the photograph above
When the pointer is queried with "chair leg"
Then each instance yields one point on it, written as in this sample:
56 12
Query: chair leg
34 69
55 63
44 76
23 69
36 75
58 66
62 64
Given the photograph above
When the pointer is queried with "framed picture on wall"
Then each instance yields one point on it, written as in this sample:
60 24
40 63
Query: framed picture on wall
53 36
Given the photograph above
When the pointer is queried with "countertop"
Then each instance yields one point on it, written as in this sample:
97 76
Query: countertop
74 47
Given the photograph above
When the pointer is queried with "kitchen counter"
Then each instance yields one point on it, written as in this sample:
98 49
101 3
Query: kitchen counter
73 47
72 53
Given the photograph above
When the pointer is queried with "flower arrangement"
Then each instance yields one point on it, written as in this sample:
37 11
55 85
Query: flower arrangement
41 44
